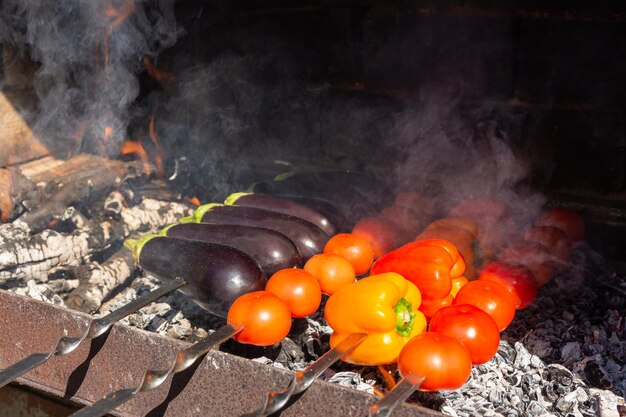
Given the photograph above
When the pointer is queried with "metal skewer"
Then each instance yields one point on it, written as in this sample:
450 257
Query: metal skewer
403 389
304 378
154 378
97 327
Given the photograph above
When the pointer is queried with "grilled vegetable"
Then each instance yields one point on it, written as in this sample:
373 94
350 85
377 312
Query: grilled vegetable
216 274
271 249
280 205
385 307
342 188
308 238
343 220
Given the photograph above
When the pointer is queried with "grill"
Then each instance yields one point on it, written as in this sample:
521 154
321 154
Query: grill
119 118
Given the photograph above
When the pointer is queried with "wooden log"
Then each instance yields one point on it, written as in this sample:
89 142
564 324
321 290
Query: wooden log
24 257
19 143
47 186
97 281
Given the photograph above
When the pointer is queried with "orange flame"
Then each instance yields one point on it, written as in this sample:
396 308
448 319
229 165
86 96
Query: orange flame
131 147
156 74
194 200
119 15
158 161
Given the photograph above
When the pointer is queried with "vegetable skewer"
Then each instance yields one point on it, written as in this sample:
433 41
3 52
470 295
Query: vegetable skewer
97 328
303 379
154 378
403 389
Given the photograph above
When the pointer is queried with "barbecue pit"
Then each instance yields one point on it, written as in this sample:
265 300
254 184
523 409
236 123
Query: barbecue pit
117 118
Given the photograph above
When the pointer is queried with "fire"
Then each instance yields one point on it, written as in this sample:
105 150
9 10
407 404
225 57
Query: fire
130 147
119 15
156 74
158 161
194 200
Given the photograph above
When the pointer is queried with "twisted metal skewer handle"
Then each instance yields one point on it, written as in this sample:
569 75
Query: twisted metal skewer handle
97 327
154 378
304 378
403 389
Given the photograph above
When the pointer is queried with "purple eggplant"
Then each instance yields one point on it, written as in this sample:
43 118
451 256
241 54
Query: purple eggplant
271 249
354 193
308 238
216 274
281 205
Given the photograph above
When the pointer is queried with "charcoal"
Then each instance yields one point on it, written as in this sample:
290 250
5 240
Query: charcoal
352 380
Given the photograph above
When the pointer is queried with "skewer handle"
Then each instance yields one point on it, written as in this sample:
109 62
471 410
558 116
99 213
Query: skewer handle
97 327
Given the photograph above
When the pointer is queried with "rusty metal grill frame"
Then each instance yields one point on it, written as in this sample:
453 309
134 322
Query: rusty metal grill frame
221 384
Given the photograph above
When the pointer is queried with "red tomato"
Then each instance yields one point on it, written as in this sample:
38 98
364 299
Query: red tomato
471 326
551 237
266 318
383 235
518 280
567 220
299 289
357 250
421 204
533 256
331 271
491 297
430 306
403 218
441 359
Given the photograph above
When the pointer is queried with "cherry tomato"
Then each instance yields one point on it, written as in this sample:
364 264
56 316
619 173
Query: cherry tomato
383 235
356 249
491 297
518 280
331 271
567 220
441 359
299 289
266 318
471 326
533 256
403 218
553 238
430 306
421 204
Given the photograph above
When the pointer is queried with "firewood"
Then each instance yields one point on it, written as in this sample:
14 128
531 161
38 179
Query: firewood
97 281
48 186
24 257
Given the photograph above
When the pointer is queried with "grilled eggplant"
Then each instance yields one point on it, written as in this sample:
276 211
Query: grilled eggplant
216 274
308 238
354 193
281 205
272 250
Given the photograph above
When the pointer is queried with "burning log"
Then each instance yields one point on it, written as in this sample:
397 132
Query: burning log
23 257
47 186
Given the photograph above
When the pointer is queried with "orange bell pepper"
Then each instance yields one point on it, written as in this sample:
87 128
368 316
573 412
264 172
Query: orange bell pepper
430 264
385 307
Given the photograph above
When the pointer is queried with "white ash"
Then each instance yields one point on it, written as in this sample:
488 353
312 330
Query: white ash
352 380
41 292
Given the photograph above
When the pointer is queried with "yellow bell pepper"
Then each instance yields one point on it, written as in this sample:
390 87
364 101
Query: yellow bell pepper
384 306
